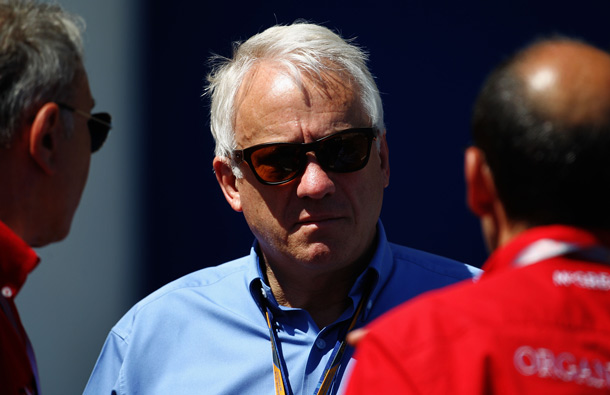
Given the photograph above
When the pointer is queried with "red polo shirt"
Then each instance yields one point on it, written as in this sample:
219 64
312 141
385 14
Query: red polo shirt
17 260
537 322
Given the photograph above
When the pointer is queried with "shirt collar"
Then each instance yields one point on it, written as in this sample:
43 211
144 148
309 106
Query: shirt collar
505 256
17 260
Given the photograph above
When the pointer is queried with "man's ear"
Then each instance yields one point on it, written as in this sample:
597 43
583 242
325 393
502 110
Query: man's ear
227 181
480 188
384 156
44 136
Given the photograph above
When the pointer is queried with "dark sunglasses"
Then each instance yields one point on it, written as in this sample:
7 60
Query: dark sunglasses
279 163
99 125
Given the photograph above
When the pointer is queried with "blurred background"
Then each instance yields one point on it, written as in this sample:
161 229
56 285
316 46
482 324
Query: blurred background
152 210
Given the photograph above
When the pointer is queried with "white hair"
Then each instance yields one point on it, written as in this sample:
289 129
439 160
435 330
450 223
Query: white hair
302 48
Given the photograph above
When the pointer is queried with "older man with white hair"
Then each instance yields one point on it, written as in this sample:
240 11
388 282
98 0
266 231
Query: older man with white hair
301 151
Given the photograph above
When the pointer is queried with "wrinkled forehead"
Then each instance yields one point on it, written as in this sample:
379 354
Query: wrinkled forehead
273 95
279 76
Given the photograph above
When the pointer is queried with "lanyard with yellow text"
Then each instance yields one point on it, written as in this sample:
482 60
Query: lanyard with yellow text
326 380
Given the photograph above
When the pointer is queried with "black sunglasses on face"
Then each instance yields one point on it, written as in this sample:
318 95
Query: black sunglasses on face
99 125
279 163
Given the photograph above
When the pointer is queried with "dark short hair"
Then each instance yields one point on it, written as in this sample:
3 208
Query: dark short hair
545 171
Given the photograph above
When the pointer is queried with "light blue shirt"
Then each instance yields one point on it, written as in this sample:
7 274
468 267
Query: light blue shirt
205 334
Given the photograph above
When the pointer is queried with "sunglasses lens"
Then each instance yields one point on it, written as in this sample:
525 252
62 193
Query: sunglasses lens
98 130
342 152
345 152
276 163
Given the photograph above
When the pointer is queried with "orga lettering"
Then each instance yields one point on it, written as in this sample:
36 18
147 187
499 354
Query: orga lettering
544 363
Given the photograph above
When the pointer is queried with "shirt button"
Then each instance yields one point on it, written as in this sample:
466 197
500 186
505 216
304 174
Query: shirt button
321 344
7 292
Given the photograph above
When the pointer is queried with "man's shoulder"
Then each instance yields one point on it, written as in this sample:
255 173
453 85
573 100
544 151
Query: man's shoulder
515 297
217 284
433 264
209 277
515 304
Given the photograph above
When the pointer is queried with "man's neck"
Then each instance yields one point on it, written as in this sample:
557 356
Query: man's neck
323 295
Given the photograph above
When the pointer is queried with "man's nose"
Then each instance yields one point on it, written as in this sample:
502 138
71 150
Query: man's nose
315 181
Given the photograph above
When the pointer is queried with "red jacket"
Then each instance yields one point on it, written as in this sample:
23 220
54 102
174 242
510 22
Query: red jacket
17 259
536 322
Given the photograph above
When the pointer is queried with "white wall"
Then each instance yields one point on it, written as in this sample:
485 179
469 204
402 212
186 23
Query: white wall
86 282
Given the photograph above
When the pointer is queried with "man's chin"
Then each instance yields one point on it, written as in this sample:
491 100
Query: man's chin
52 237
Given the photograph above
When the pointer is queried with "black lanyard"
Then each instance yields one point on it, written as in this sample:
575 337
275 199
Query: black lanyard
282 385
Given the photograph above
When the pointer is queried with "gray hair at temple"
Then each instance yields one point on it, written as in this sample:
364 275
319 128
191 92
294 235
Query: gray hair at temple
41 54
303 49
